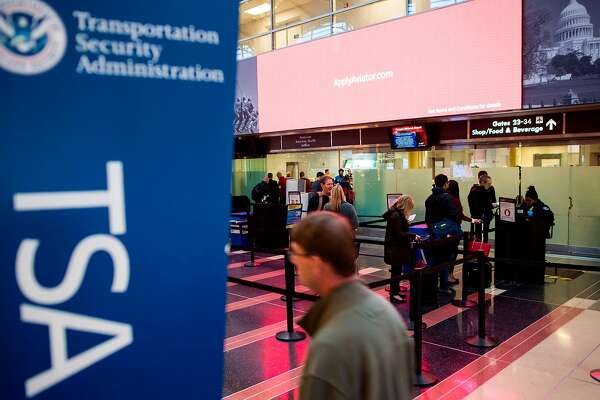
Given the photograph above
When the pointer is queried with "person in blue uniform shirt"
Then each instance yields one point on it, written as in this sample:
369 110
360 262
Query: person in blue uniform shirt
541 219
537 210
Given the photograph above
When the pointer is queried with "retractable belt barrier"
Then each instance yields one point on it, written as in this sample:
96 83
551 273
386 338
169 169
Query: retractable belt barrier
533 263
422 378
371 224
378 220
289 335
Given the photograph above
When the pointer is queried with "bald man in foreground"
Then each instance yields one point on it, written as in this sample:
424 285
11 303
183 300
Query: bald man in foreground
359 349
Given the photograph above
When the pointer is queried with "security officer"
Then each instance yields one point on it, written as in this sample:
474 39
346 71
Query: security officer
538 211
540 218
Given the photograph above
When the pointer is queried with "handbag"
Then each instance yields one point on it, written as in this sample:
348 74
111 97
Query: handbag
475 246
420 259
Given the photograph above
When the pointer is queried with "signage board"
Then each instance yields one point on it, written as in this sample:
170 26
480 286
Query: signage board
306 141
293 186
108 289
583 122
507 209
457 65
349 137
294 215
304 201
524 125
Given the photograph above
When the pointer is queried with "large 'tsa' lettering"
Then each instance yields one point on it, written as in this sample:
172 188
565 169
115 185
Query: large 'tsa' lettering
58 321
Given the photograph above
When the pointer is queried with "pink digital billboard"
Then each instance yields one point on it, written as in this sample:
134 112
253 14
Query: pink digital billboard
457 60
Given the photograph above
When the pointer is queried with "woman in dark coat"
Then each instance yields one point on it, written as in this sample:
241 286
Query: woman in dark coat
397 241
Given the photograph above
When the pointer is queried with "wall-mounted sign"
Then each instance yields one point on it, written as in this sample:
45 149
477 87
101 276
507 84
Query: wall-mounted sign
524 125
507 209
306 141
107 289
583 122
345 138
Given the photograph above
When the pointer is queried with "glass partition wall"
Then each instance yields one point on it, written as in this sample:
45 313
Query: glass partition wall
566 177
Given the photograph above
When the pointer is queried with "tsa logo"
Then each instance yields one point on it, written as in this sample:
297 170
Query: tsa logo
33 38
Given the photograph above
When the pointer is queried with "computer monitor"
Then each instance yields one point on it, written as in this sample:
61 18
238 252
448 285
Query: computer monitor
294 197
392 198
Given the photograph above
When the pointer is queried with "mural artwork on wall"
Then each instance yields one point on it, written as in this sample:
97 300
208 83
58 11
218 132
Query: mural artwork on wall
245 119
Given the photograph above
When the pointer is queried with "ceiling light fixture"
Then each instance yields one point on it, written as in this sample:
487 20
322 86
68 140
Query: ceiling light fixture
261 9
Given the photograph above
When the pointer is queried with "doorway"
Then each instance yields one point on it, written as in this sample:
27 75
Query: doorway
291 169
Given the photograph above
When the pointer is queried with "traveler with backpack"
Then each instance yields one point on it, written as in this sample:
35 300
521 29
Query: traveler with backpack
440 216
260 191
266 191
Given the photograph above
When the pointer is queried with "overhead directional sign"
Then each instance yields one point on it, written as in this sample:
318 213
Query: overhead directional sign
524 125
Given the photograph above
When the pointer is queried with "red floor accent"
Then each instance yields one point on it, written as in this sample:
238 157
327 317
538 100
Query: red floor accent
270 388
254 336
458 385
259 277
258 261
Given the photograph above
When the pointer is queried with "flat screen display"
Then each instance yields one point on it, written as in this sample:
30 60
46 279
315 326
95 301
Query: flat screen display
456 60
408 137
560 53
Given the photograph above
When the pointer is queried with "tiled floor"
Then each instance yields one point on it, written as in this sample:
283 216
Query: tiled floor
548 337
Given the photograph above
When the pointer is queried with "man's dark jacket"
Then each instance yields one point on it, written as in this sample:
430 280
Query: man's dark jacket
439 205
480 203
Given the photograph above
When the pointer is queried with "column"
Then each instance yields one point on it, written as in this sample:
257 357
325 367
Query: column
422 5
514 158
415 159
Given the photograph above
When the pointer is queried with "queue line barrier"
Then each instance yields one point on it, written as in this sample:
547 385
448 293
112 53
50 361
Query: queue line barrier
422 378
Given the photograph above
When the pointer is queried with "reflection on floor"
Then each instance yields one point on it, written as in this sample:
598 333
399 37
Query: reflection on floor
548 337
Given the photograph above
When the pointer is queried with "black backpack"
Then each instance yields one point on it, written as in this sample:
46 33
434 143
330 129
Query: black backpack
258 192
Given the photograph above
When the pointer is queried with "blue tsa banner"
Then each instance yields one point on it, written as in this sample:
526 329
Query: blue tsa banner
115 168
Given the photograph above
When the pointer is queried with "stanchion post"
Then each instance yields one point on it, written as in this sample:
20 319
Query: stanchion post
289 335
413 292
422 378
251 263
464 302
481 339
